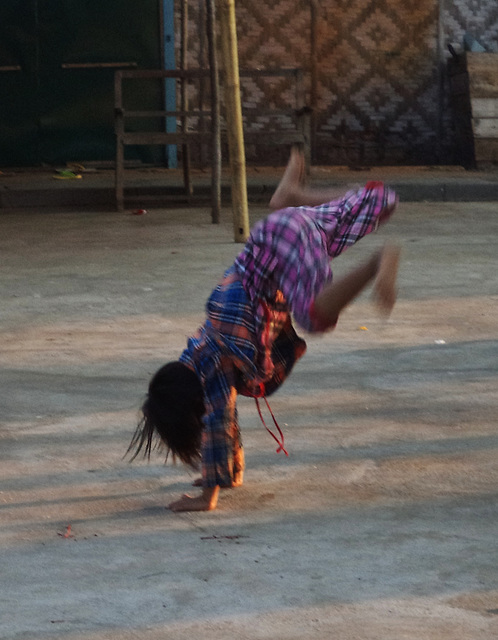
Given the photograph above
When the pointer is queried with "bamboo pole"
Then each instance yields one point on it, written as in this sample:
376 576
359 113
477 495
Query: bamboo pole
233 108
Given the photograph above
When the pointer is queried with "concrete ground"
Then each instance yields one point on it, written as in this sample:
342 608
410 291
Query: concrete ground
380 525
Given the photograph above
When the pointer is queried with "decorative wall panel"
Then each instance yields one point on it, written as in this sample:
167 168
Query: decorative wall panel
375 70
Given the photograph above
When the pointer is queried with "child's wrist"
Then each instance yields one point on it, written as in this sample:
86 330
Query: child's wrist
374 262
210 496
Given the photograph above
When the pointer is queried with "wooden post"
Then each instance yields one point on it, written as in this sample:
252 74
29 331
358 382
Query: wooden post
201 151
215 114
184 96
233 108
441 78
119 130
314 72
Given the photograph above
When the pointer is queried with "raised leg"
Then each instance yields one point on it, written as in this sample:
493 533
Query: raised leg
292 190
382 267
291 184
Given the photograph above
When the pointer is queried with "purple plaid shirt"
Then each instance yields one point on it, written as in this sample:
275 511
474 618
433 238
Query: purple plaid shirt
291 249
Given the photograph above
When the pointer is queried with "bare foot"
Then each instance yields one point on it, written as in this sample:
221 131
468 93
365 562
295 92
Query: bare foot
385 291
285 193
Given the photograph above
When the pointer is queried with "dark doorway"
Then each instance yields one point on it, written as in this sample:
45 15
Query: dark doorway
57 64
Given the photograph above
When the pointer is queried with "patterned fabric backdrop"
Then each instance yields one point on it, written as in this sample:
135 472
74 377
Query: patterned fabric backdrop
374 70
477 17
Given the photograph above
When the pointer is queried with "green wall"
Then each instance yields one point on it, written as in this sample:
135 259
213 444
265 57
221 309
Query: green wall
56 101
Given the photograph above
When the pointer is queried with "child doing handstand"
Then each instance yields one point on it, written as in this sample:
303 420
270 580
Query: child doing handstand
248 344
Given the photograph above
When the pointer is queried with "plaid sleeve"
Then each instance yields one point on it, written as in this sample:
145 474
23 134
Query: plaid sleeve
228 348
221 434
358 215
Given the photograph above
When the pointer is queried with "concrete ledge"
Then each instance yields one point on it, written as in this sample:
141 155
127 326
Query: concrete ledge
165 188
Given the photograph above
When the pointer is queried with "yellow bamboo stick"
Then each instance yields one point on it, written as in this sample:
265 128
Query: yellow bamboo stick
228 36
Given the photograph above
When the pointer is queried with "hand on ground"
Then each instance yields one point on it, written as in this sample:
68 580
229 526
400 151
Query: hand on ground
205 502
188 503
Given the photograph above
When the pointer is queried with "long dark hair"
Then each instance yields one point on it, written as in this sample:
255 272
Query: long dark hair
171 416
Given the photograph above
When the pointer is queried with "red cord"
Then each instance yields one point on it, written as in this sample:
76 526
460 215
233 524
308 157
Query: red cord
261 394
281 441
